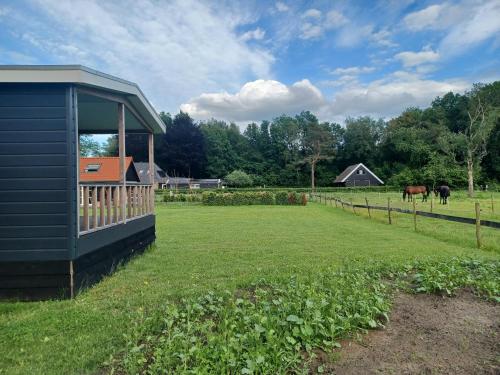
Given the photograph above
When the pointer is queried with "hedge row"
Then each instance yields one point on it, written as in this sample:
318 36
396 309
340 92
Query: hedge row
181 197
296 189
253 198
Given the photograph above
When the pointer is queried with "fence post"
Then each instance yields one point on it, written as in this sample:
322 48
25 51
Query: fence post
478 225
352 205
342 203
432 202
492 207
368 207
414 215
335 200
389 209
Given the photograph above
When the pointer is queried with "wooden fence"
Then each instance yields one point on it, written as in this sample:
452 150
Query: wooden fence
458 219
104 205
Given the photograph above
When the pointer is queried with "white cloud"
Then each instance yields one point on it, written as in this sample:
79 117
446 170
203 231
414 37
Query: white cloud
464 24
315 24
310 31
481 24
411 59
352 35
173 50
425 18
282 7
383 38
389 96
312 13
335 19
257 100
353 70
266 99
256 34
4 11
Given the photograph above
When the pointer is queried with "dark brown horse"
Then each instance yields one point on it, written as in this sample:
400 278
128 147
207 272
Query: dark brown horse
413 190
444 193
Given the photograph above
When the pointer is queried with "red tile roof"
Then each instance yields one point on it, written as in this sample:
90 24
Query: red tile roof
109 169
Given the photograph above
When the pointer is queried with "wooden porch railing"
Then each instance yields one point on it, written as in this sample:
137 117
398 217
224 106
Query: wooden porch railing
100 204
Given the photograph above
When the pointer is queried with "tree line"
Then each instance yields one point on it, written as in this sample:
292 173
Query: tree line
456 140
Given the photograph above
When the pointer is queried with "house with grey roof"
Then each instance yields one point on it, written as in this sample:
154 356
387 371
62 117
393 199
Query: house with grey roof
357 175
160 177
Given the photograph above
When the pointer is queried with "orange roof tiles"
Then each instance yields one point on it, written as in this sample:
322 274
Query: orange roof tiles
109 169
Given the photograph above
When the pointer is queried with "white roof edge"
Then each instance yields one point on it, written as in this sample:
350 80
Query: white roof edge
364 166
77 74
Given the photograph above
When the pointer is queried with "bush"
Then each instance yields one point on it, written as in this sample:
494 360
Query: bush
291 198
181 197
253 198
238 178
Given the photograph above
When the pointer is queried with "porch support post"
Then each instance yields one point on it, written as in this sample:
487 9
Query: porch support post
152 172
121 151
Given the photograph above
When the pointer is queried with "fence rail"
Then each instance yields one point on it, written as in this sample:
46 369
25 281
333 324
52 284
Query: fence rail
104 205
458 219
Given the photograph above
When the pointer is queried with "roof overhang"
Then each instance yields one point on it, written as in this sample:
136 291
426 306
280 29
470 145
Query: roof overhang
86 78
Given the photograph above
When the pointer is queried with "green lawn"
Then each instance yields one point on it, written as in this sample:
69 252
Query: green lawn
458 203
198 249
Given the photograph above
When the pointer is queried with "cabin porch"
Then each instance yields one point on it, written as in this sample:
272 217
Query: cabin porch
60 233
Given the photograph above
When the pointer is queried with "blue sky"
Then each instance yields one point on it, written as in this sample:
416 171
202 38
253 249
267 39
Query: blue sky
247 61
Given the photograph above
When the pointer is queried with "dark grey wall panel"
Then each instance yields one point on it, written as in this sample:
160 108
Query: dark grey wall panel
33 148
33 172
33 243
33 196
32 208
34 232
14 99
35 112
31 124
30 161
30 183
32 137
28 220
101 238
35 160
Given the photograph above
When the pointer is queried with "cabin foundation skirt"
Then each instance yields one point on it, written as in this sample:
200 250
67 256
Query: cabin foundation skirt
63 278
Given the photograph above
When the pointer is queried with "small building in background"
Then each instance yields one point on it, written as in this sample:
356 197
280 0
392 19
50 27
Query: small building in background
106 169
206 183
357 175
160 177
174 183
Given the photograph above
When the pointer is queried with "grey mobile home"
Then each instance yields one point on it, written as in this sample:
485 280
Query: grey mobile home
57 233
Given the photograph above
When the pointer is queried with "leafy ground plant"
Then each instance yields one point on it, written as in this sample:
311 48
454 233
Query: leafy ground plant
447 276
265 328
277 327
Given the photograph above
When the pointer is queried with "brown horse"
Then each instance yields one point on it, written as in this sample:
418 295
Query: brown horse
412 190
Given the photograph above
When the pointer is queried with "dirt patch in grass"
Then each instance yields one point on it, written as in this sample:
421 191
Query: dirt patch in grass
428 334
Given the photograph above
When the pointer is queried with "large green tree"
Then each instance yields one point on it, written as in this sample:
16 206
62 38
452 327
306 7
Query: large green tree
88 146
181 150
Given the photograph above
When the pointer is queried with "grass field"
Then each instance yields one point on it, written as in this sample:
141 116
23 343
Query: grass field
202 248
458 203
452 232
